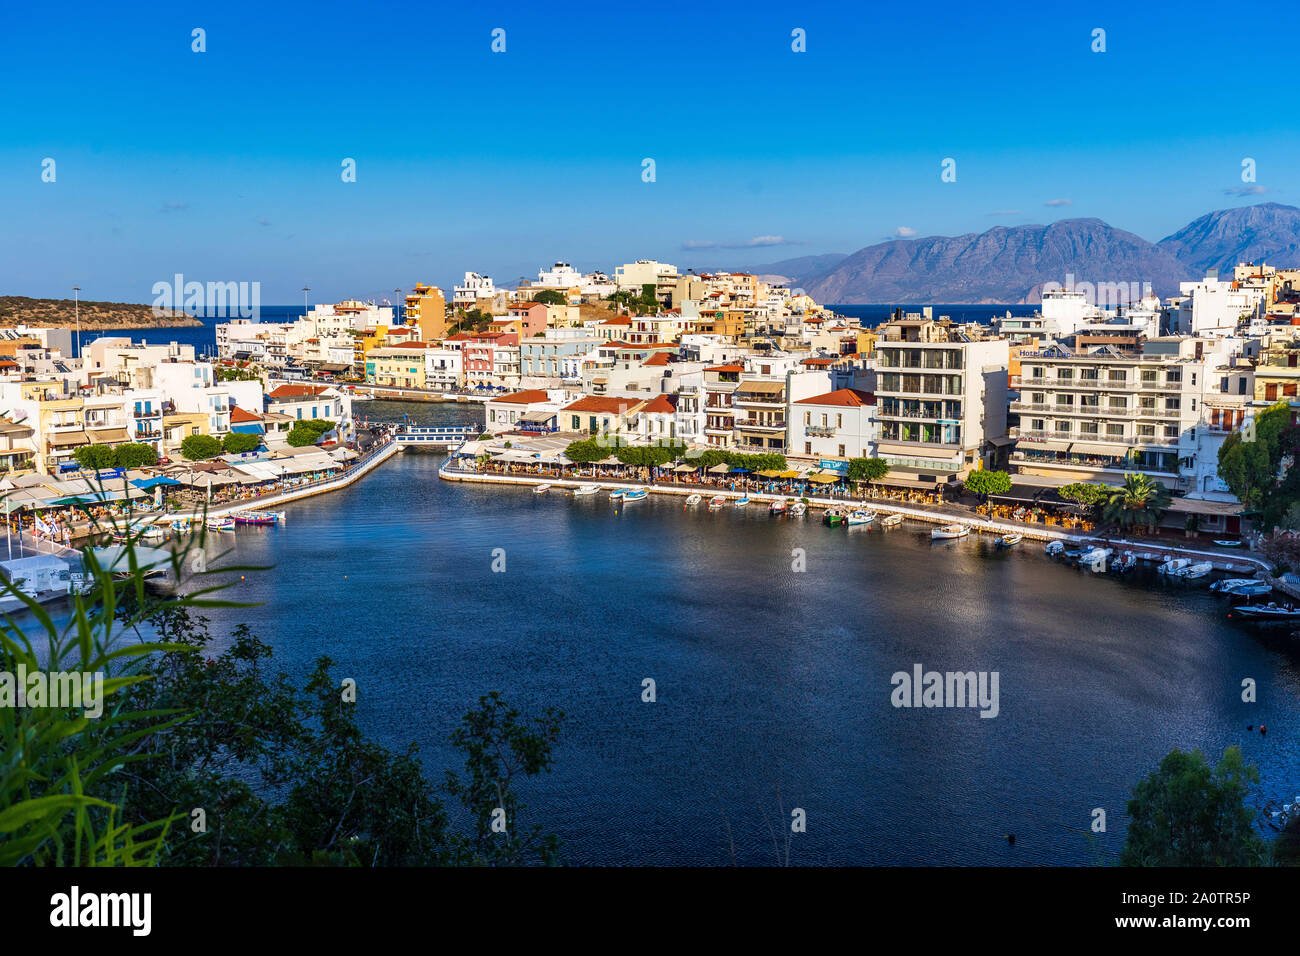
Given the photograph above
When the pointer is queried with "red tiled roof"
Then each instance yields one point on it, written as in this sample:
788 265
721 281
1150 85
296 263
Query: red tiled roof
240 415
846 397
659 358
526 397
661 405
297 391
600 404
726 368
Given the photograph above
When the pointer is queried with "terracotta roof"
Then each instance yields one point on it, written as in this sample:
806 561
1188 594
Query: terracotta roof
527 397
296 391
238 414
621 320
599 403
659 358
846 397
726 368
661 405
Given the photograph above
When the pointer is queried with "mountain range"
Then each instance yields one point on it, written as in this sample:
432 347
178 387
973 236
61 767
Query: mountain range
1010 264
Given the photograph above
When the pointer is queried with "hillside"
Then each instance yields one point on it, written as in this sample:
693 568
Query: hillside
60 313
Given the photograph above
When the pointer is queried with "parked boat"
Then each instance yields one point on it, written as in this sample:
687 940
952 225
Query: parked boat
833 517
694 500
636 494
1227 544
860 517
777 506
1010 540
1254 589
221 524
1125 562
742 501
1229 585
1194 571
617 493
1174 564
1266 612
1055 548
258 517
541 489
798 509
582 490
949 531
716 502
1095 558
891 521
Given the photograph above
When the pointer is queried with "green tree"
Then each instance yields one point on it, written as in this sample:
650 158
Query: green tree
95 457
135 454
1086 494
237 443
985 483
551 297
1140 502
1187 814
1251 463
199 447
867 469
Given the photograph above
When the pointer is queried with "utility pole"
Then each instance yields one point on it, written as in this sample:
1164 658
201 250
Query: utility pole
76 308
305 290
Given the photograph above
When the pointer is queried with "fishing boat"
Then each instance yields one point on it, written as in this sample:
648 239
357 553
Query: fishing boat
1194 571
258 517
182 524
833 517
1125 562
1010 540
1254 589
1230 585
776 506
1227 544
798 509
221 524
1055 548
635 494
1174 564
949 531
1266 612
891 521
742 501
716 502
617 493
1095 558
694 500
541 489
860 517
582 490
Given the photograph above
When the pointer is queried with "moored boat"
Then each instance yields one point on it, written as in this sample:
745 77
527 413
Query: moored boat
1266 612
833 517
1055 548
949 531
1229 585
798 509
258 517
1193 571
716 502
617 493
541 489
1227 544
1010 540
635 494
776 506
582 490
860 517
891 521
741 501
1174 565
221 524
694 500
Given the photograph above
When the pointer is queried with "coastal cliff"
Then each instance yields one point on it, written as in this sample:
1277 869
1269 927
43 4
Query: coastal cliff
60 313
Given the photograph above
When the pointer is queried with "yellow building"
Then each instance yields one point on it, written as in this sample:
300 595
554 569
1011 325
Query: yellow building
1277 375
180 426
397 366
362 343
426 307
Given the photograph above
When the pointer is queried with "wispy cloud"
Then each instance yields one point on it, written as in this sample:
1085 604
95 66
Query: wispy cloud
1245 191
904 232
754 243
171 205
1005 212
1059 202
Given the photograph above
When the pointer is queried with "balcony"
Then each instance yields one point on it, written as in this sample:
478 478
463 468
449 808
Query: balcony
760 426
820 431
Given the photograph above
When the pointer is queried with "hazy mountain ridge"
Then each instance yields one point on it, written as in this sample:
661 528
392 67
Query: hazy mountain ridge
1010 264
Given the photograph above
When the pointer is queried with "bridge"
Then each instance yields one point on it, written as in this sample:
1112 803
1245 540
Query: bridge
436 436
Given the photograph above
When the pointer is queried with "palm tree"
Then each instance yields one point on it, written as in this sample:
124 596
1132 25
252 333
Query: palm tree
1140 501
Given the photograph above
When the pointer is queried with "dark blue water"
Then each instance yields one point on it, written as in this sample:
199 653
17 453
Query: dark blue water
767 680
872 315
202 337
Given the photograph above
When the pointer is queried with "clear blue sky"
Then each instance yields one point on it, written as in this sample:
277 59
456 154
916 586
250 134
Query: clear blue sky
225 165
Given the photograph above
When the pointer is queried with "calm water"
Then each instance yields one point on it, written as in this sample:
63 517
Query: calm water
765 678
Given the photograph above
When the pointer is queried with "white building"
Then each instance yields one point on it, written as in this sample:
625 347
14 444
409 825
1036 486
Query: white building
475 287
1215 307
835 425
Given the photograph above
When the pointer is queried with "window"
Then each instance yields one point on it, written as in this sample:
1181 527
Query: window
841 451
807 448
1114 431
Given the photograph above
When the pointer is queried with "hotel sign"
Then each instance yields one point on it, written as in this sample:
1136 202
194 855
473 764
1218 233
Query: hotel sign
833 464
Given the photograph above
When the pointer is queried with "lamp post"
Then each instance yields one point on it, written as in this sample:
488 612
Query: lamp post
305 290
76 309
397 304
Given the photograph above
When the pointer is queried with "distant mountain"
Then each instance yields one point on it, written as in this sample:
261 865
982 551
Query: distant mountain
63 313
1006 264
1219 240
787 271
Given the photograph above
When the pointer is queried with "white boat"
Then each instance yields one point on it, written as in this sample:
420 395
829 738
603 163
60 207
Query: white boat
1095 558
221 524
634 494
1227 544
860 517
949 531
1055 547
618 493
716 502
1228 585
777 506
1125 562
741 502
798 509
694 500
1174 564
1191 572
586 490
1010 540
891 521
1266 612
1254 589
541 489
258 517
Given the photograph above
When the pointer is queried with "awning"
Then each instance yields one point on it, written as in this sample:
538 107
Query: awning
765 388
107 434
788 474
1084 448
540 417
823 479
149 483
1023 445
60 439
721 468
1199 506
918 483
685 469
1001 440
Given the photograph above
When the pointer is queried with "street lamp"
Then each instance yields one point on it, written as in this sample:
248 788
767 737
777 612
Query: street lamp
305 290
76 308
397 304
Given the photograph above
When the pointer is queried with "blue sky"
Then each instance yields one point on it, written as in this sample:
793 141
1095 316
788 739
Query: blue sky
225 165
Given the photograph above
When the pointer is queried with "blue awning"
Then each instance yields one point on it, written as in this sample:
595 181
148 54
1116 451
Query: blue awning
144 484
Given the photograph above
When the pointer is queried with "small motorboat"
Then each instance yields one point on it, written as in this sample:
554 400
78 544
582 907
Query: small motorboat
221 524
716 502
182 524
1254 589
1055 548
1230 585
1174 564
694 500
833 517
859 517
1010 540
1194 571
741 501
798 509
258 517
777 506
1266 612
891 521
1095 558
1227 544
949 531
1125 562
617 493
583 490
541 489
635 494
